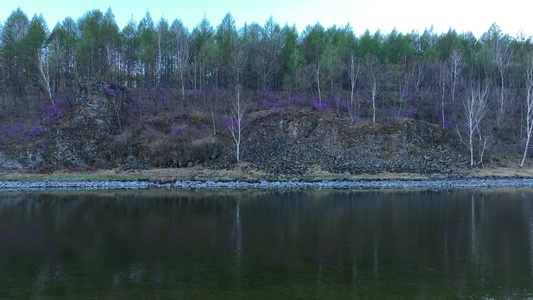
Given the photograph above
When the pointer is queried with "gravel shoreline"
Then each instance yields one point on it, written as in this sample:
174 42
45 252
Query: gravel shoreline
454 184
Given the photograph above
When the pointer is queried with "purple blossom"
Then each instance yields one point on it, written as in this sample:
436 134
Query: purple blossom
11 130
152 131
448 124
271 96
161 100
296 98
52 112
229 122
411 112
175 130
271 102
113 92
274 110
35 131
264 103
323 107
131 104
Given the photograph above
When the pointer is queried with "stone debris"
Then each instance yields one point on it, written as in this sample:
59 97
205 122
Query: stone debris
447 184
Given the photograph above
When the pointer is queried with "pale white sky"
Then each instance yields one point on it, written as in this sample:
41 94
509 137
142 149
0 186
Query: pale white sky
406 16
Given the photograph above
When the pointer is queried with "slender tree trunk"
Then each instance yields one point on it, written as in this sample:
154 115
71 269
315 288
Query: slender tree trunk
353 73
529 109
317 80
182 95
237 123
471 144
374 91
44 76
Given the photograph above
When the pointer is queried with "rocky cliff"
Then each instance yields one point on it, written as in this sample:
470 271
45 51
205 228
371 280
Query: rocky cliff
304 141
294 141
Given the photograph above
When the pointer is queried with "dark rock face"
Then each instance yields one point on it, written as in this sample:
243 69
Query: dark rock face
82 135
300 143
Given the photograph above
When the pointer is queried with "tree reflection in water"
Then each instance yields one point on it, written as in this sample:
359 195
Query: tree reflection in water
310 244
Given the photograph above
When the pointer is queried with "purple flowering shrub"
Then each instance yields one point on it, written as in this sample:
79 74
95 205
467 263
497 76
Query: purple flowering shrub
113 92
152 131
51 113
15 131
272 103
175 130
447 124
12 129
34 132
322 107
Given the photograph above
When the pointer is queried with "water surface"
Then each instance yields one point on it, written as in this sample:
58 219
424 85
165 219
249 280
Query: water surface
267 245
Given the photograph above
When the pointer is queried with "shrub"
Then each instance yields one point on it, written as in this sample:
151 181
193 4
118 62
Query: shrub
52 113
152 131
122 144
205 149
175 130
34 132
12 129
323 107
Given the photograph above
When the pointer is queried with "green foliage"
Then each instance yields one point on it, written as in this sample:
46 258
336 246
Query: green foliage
13 37
313 42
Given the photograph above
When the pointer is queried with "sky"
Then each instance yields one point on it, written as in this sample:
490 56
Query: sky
513 16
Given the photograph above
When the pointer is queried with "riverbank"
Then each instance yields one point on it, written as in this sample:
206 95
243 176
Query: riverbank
447 184
242 178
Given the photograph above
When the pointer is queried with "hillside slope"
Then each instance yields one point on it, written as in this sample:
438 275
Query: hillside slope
299 142
89 135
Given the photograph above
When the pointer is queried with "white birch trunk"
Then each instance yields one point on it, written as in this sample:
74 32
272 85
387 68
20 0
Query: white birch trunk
529 108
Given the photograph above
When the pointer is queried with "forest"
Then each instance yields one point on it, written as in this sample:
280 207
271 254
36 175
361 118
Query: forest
166 80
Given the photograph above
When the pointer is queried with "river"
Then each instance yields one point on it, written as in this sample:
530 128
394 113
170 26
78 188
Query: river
267 244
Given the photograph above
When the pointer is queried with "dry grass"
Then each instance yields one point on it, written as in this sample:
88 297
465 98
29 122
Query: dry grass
503 172
243 172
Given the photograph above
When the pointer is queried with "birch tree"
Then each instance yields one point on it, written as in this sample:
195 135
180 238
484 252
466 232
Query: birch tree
37 46
237 122
416 70
529 107
443 80
475 108
316 77
353 73
456 65
502 55
182 54
499 45
373 77
43 77
238 109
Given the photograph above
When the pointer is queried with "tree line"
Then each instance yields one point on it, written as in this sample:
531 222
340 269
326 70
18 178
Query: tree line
479 87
